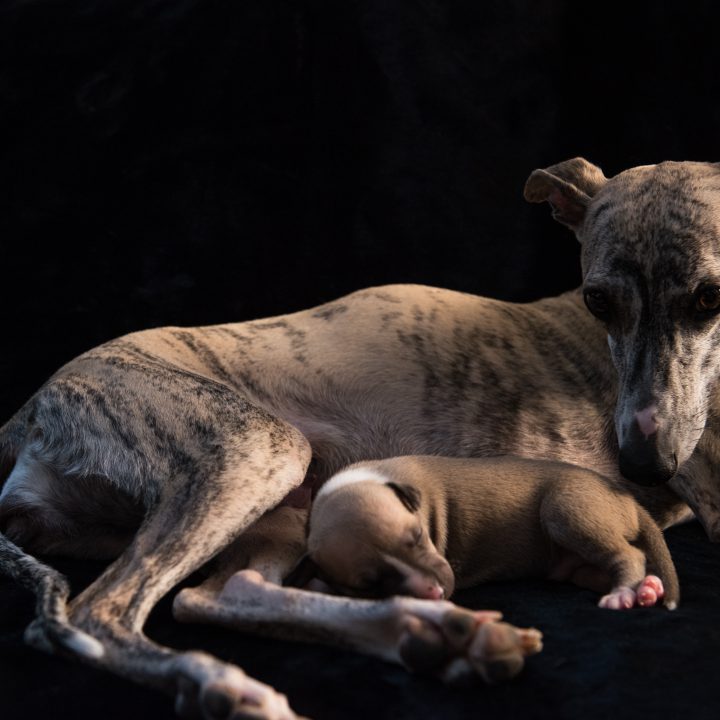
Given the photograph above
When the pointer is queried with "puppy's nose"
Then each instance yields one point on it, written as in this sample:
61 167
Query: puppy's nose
423 587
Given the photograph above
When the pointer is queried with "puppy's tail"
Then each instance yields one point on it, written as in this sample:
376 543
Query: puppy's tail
659 561
51 630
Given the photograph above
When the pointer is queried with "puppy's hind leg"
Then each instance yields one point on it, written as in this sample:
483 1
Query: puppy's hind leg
570 517
666 587
197 514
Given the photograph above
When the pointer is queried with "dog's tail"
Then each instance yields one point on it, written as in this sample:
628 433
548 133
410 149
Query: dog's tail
659 561
12 437
51 629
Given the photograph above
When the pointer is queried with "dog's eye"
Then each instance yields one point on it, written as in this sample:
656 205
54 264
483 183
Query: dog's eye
707 299
597 303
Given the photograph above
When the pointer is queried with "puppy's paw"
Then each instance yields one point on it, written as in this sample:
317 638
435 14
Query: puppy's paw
646 594
649 591
621 598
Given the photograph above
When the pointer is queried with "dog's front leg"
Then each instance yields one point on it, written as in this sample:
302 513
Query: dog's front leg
431 637
698 484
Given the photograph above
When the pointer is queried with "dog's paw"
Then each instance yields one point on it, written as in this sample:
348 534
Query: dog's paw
646 594
208 689
458 646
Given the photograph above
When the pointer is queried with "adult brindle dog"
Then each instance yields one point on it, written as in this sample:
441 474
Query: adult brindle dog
165 445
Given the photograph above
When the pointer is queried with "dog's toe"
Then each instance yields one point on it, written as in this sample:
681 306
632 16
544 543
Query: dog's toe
497 651
530 640
212 690
423 649
494 639
458 626
502 669
186 700
217 702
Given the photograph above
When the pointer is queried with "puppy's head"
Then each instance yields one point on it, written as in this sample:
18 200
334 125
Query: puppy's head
367 539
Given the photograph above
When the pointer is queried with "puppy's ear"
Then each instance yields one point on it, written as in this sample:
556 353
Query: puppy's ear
409 496
568 187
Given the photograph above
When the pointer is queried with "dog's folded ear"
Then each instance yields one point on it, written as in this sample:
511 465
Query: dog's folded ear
409 496
568 187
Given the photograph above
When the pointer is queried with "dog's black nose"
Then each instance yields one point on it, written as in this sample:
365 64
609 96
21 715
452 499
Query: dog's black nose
643 463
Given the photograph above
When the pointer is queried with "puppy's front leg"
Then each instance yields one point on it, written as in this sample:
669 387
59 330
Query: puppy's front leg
430 637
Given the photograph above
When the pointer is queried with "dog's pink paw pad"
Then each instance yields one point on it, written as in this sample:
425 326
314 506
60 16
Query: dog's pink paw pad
621 599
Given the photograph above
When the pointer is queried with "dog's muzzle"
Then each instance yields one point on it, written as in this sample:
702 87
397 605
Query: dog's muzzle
645 461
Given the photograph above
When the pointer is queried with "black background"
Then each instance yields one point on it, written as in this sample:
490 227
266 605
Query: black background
200 162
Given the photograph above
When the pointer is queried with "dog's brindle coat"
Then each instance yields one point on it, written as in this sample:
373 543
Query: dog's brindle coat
198 431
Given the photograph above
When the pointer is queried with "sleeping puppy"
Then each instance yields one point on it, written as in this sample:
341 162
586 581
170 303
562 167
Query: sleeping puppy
419 525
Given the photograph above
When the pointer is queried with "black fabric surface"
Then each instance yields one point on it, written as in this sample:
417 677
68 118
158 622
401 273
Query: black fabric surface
199 162
596 663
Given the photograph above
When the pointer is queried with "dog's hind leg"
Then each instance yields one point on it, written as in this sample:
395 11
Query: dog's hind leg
196 515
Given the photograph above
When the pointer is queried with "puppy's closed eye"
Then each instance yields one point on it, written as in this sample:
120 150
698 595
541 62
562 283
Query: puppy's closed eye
408 495
415 537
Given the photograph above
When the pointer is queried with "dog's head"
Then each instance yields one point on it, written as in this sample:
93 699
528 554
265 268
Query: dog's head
366 539
651 274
